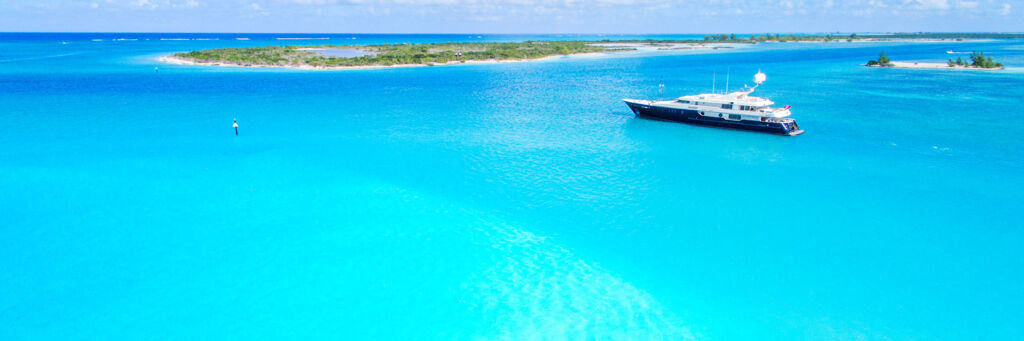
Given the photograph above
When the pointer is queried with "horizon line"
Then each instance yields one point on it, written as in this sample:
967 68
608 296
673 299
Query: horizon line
523 33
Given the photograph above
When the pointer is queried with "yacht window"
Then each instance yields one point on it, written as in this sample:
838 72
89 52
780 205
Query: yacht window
685 102
726 106
734 117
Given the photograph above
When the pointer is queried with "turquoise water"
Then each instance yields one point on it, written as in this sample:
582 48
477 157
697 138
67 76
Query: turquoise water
504 201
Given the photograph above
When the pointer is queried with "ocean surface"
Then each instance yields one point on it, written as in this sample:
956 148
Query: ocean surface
505 201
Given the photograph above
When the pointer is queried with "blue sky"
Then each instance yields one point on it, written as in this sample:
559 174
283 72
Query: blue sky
510 16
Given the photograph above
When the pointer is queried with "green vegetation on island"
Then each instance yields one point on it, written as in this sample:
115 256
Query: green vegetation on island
883 60
779 38
953 35
385 55
978 61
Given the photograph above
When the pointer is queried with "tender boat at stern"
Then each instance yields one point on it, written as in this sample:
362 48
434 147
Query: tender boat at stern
736 110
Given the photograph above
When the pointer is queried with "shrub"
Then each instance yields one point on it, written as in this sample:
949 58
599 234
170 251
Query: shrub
884 60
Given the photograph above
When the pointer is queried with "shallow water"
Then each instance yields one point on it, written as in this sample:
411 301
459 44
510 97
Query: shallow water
504 201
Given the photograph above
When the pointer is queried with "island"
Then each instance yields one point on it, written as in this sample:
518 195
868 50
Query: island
430 54
404 55
978 61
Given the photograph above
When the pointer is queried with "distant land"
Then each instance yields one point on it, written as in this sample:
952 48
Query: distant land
404 55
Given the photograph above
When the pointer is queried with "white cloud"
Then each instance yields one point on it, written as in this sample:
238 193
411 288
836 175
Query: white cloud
427 2
930 4
966 4
313 2
1006 9
144 4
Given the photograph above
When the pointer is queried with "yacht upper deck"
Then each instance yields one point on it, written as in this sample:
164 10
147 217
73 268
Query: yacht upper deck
737 98
739 102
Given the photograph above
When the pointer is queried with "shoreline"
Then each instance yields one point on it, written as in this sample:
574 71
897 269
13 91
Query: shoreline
932 66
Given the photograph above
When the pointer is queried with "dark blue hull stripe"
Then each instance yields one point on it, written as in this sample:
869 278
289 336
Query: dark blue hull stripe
692 116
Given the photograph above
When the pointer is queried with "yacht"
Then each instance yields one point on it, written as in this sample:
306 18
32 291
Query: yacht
736 110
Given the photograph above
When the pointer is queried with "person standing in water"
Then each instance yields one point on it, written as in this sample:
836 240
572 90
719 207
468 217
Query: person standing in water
235 125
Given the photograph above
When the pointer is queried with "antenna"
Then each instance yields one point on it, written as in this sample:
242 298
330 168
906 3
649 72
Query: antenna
713 75
727 79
